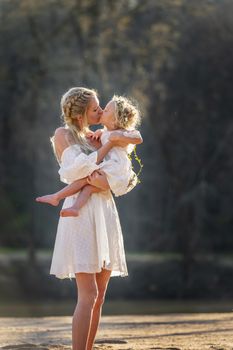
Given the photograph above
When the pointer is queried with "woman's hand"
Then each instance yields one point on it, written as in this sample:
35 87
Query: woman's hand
98 179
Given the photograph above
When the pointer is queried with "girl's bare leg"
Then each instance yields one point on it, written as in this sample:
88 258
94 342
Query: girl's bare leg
80 201
102 280
67 191
87 295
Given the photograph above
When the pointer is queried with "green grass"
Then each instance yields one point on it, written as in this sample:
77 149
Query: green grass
131 255
223 258
152 256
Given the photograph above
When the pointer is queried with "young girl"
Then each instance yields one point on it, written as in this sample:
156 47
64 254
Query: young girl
119 116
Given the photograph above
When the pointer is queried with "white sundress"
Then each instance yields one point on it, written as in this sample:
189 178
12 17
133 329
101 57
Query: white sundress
93 240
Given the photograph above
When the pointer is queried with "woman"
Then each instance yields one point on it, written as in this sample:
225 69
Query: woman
88 247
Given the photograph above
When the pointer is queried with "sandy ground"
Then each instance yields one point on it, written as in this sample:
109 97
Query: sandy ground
173 332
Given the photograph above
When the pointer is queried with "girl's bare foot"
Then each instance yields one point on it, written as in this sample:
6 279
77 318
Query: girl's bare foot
69 212
50 199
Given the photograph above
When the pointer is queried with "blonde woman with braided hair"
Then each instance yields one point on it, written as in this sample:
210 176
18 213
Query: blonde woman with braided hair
88 247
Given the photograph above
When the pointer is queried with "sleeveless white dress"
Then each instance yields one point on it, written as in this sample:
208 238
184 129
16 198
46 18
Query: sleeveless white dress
93 240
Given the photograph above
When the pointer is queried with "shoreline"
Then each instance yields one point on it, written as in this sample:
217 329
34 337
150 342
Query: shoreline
212 331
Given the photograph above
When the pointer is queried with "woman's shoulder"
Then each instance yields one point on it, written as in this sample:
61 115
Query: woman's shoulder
62 133
62 139
64 136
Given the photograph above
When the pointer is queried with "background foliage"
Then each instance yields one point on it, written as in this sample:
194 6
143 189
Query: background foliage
175 57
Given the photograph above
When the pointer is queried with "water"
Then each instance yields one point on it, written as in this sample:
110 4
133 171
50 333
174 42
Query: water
120 307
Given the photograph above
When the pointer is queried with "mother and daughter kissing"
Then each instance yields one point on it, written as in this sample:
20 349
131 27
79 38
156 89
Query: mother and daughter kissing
89 243
120 117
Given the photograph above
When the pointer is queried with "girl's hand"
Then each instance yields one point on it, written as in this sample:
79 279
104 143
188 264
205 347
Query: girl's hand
89 134
95 143
97 134
98 179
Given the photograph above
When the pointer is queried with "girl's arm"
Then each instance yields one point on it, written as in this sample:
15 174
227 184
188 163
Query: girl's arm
128 137
63 139
77 165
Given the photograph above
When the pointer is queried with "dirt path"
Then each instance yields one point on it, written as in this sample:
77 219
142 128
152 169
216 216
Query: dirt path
170 332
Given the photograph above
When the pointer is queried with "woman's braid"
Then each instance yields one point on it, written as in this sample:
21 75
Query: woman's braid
75 102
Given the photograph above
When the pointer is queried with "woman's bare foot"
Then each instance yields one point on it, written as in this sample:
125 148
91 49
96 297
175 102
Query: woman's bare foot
69 212
50 199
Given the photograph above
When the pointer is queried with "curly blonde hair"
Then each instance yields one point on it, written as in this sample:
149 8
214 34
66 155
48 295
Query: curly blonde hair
127 113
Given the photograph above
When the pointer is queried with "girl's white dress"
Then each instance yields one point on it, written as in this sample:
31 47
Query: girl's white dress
117 165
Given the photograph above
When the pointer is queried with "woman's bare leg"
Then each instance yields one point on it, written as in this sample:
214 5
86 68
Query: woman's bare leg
80 201
102 280
67 191
87 295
